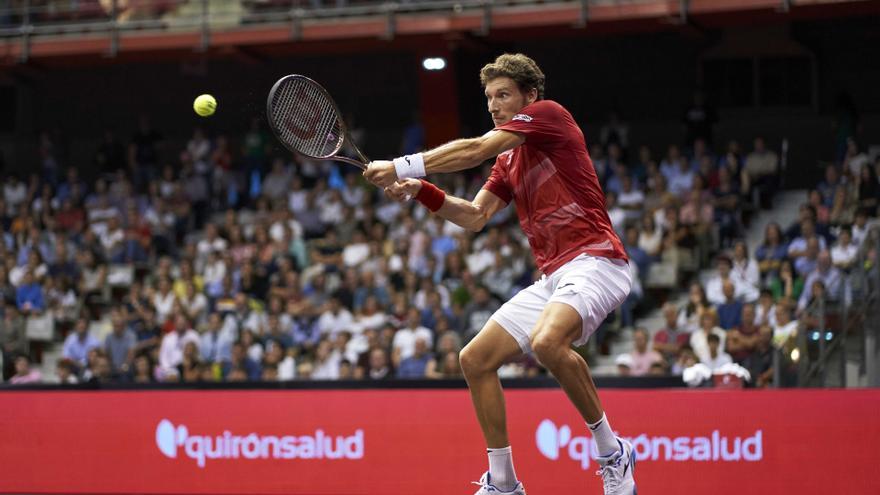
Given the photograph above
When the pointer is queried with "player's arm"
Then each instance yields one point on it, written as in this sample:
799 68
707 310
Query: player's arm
456 155
471 215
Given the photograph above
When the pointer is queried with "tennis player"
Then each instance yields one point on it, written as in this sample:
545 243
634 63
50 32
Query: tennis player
542 164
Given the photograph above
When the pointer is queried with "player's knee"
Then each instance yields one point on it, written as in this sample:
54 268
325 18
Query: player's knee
471 362
547 348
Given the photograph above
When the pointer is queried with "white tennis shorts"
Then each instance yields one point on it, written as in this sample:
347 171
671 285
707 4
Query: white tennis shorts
592 285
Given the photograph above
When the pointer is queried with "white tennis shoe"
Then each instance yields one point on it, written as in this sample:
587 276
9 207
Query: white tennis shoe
617 470
487 488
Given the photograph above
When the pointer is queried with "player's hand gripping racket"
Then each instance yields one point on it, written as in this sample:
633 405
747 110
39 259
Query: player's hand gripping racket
304 117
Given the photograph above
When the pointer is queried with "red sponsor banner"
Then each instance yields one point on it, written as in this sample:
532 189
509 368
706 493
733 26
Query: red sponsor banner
388 442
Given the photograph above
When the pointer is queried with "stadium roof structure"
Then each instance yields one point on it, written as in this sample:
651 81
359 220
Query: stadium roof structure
121 28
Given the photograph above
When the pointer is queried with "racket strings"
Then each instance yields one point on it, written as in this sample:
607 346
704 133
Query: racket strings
306 119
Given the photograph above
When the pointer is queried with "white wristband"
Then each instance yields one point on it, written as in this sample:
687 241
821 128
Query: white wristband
410 166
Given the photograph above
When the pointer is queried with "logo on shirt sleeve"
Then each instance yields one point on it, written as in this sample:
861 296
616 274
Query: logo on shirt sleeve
523 117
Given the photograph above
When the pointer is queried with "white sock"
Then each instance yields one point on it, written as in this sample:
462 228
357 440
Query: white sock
603 437
501 468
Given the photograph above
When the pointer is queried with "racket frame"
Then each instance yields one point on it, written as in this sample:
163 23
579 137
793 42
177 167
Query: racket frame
346 139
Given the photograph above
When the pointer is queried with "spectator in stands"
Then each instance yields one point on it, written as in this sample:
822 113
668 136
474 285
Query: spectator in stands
215 344
805 264
78 344
327 361
379 367
416 365
642 357
65 372
844 252
727 206
119 344
624 364
29 295
24 374
765 310
786 328
716 358
173 343
669 340
334 319
759 362
744 269
714 287
868 190
240 364
143 369
685 359
743 339
789 284
730 311
829 275
404 344
690 314
828 187
762 170
700 338
823 213
13 339
478 311
636 254
772 251
651 237
860 227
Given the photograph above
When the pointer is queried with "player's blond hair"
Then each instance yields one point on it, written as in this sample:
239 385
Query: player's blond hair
518 67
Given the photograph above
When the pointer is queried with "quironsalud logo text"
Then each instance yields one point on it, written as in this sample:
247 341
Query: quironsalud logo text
201 448
554 441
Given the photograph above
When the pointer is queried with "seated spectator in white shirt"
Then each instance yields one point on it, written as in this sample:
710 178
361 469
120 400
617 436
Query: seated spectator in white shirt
785 327
335 319
844 251
642 357
716 358
744 269
327 359
78 343
630 198
700 338
616 213
404 344
744 291
171 349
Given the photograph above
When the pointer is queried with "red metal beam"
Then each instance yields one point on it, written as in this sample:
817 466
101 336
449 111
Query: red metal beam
356 33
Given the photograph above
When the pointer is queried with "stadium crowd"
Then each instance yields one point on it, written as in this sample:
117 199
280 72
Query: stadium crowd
234 263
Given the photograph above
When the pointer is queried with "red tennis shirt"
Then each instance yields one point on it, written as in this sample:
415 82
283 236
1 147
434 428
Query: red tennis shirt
559 202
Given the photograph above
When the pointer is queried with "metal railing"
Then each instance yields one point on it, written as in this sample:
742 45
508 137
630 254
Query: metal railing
842 332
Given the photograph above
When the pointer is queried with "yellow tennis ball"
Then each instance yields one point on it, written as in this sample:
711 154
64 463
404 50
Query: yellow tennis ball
205 105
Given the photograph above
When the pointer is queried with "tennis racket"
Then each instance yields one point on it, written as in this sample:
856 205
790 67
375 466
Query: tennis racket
304 117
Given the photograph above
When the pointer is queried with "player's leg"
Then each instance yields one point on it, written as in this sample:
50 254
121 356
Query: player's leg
505 336
585 291
480 361
559 326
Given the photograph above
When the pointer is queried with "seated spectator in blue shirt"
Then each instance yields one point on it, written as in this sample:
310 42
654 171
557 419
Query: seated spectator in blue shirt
772 251
78 344
730 311
239 360
29 295
635 253
415 365
215 343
